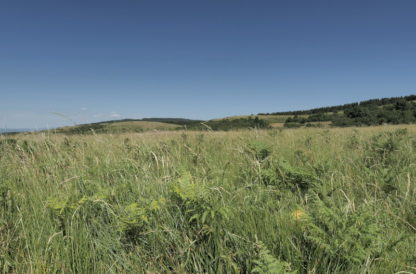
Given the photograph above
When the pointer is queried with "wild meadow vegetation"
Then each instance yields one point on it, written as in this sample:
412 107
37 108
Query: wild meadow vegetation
310 200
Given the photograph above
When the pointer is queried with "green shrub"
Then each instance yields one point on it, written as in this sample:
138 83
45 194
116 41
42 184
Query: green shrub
267 264
343 237
260 150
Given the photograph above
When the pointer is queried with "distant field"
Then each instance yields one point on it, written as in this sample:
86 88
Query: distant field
118 127
308 200
123 126
278 118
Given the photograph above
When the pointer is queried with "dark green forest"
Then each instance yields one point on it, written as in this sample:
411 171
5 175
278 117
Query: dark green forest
230 124
398 110
371 102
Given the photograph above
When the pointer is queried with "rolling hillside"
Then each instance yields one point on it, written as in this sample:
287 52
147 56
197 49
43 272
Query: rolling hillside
117 127
394 110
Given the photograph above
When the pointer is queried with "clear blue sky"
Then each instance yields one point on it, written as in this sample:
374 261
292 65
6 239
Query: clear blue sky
101 60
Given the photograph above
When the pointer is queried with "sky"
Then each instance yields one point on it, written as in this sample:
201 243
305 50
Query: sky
80 61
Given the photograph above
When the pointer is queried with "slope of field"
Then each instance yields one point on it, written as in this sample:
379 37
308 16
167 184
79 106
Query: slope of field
117 127
338 200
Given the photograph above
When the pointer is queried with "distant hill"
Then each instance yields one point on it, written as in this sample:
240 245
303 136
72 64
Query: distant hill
11 131
394 110
146 124
118 126
176 121
371 102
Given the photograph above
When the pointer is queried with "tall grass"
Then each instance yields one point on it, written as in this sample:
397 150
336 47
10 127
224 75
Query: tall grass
272 201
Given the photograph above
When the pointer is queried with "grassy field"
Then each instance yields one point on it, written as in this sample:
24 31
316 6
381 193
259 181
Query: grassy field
307 200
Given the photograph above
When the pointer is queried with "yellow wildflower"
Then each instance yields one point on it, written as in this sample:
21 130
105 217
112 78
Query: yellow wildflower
298 214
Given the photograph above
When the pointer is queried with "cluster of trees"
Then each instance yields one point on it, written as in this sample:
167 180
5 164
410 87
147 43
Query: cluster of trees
402 111
230 124
372 102
317 117
308 121
297 121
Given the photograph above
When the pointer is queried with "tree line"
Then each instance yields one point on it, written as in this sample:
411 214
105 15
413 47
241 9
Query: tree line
372 102
373 112
230 124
